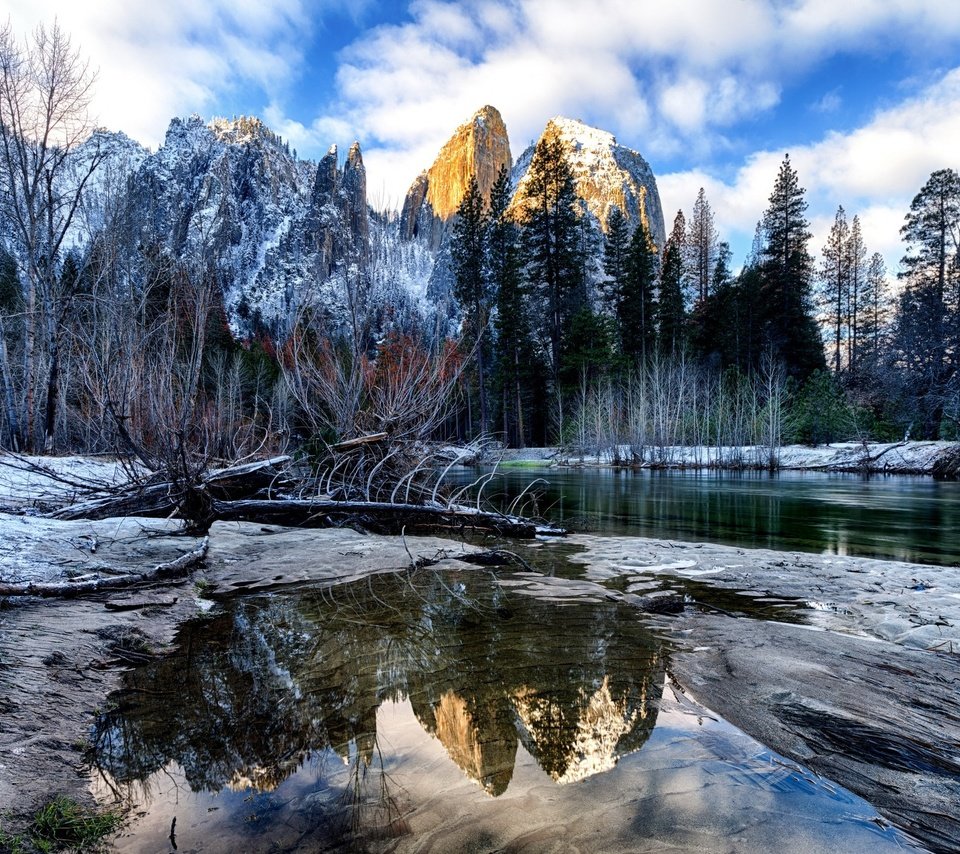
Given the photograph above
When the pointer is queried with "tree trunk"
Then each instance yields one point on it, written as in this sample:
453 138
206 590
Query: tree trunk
13 422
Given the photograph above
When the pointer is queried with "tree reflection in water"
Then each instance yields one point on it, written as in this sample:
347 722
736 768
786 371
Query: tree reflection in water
278 680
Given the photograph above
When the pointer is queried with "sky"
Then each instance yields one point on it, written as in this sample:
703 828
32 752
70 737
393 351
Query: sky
864 95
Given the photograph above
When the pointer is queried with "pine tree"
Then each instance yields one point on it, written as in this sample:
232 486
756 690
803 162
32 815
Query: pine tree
876 306
835 280
635 303
932 232
552 244
469 251
670 311
721 272
615 252
856 292
927 325
516 361
701 248
789 328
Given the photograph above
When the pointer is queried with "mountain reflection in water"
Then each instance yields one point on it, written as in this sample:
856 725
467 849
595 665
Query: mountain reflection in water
252 694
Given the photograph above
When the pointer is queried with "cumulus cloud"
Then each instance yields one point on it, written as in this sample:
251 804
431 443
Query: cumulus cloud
873 171
667 79
159 60
677 81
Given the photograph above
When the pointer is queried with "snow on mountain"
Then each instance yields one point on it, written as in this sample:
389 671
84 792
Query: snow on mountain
229 197
605 174
120 157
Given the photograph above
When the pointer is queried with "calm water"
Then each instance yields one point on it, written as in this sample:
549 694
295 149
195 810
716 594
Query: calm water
445 711
903 518
486 711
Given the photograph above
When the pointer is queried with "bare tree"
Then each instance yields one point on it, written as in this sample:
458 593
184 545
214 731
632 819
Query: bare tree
45 92
371 414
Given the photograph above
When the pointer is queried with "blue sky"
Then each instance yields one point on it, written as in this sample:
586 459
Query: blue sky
863 94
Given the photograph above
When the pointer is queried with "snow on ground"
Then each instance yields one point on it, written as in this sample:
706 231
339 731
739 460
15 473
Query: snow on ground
38 550
892 457
29 482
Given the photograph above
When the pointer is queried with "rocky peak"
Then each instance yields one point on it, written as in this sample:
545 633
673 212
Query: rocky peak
326 183
479 147
354 192
244 130
338 225
606 175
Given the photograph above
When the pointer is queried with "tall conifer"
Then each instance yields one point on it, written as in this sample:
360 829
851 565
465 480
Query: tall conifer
789 328
552 243
636 306
670 309
471 289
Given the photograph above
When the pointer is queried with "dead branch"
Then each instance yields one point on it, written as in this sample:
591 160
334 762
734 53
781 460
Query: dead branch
165 499
377 517
68 589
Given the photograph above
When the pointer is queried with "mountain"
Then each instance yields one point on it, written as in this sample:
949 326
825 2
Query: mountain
230 198
606 175
479 147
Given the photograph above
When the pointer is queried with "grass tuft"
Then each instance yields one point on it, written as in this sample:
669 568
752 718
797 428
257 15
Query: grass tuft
62 824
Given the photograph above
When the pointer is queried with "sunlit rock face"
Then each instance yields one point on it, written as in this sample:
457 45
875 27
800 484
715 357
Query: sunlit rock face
479 147
587 735
480 739
605 174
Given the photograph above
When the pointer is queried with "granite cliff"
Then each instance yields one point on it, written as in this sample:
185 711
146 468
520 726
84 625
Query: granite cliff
479 147
605 174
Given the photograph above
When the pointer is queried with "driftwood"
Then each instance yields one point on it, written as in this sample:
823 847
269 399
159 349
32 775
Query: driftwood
377 517
67 589
237 494
163 499
359 440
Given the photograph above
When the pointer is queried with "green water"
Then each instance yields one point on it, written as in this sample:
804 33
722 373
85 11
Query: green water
902 518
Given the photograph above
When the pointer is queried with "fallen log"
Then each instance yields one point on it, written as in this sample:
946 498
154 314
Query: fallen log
246 480
68 589
378 517
370 439
160 500
154 501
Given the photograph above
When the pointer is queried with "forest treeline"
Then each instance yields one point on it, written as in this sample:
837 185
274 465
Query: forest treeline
674 348
566 335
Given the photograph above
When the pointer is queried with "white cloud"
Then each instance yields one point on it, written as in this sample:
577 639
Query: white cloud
873 171
157 60
667 79
829 102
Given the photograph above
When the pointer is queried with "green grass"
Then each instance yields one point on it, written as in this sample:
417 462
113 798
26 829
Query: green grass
62 825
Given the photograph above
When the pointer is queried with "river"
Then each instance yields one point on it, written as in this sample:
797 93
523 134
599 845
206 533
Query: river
535 708
894 517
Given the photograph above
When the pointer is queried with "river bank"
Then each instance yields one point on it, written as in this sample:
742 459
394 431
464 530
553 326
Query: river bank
849 666
867 698
923 458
